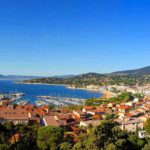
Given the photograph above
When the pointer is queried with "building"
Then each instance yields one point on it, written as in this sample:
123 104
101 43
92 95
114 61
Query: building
123 108
141 134
89 122
131 124
50 121
14 116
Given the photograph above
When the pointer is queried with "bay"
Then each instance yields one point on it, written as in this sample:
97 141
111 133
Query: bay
31 91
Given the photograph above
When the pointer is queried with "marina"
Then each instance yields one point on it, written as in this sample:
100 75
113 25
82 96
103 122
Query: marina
44 94
40 103
21 102
59 101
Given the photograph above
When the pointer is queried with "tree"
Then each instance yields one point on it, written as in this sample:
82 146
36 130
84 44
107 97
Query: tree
49 137
111 146
110 116
79 146
121 144
3 147
103 133
27 137
147 126
65 146
133 139
86 142
146 147
140 143
4 135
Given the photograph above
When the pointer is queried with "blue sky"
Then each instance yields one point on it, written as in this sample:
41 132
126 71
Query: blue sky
56 37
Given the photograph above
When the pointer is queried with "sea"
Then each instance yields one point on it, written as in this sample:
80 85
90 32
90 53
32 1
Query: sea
31 91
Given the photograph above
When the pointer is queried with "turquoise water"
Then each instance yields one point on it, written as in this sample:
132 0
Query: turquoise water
31 91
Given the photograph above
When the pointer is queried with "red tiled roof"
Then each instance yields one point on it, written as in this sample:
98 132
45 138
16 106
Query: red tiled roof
88 107
13 114
75 116
124 107
50 121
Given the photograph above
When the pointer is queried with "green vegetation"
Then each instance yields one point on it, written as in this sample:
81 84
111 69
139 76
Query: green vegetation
123 97
147 126
49 137
25 140
96 79
106 136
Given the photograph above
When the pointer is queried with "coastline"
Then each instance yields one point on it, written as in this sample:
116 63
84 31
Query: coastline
68 86
104 94
40 83
107 95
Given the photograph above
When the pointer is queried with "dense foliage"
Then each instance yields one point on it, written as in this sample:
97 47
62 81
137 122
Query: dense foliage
123 97
106 136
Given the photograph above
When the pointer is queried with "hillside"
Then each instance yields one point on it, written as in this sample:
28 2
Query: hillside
79 80
130 77
141 71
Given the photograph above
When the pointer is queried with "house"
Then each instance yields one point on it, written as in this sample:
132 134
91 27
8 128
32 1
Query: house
57 120
89 122
136 100
131 104
50 121
110 105
134 113
87 108
97 116
22 114
77 114
5 103
145 117
131 124
123 108
93 112
14 116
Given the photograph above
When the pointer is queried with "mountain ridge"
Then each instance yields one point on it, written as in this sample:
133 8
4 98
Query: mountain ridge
128 77
140 71
17 77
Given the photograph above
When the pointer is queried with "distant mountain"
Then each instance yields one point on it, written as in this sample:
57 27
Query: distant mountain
1 76
17 77
90 74
78 80
129 77
90 77
64 76
141 71
86 75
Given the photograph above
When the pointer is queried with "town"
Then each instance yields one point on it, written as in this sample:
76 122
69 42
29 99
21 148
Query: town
130 115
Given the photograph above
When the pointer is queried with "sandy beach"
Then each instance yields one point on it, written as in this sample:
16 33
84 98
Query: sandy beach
107 94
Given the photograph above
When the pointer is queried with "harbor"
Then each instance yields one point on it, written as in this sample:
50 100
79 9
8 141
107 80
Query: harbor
17 98
44 94
59 101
